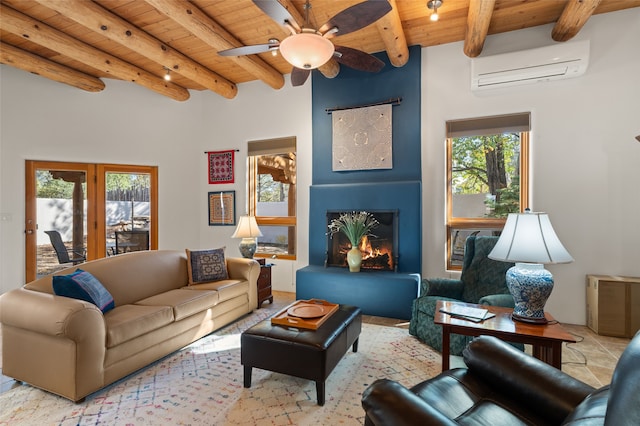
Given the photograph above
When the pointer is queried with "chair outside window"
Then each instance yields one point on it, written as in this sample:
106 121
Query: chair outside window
64 254
127 241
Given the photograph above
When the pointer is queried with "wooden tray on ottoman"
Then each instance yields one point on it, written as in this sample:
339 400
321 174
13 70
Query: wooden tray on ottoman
308 314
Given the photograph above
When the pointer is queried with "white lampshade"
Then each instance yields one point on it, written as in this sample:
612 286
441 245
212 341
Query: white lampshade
529 237
247 228
306 50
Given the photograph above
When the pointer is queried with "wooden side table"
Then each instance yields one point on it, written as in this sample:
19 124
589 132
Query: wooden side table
546 339
264 282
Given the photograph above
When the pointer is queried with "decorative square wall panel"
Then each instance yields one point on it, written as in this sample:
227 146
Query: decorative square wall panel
362 138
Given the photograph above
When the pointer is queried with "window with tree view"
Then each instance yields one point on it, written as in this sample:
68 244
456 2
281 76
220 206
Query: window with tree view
272 195
487 177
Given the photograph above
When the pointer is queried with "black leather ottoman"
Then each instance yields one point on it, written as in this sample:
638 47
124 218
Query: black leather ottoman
308 354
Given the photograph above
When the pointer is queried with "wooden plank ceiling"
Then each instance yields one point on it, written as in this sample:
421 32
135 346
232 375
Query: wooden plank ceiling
83 42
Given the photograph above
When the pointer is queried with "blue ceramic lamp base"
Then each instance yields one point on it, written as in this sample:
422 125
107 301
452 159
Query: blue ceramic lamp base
248 247
530 285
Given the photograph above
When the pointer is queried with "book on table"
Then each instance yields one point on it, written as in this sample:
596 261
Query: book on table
468 313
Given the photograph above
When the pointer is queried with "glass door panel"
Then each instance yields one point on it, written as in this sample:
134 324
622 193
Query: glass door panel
127 212
57 214
127 196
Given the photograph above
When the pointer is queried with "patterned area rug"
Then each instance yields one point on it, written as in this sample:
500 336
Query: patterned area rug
202 385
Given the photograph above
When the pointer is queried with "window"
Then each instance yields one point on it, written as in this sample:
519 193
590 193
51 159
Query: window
487 177
272 195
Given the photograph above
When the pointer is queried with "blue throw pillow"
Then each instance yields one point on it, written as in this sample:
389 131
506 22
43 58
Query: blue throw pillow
84 286
206 266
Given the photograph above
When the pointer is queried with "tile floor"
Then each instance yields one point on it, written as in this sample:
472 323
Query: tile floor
591 360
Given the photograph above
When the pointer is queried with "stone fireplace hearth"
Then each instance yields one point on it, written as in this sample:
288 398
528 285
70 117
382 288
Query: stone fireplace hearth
387 293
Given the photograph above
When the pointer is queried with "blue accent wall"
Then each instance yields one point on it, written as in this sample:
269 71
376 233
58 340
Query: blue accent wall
398 188
354 88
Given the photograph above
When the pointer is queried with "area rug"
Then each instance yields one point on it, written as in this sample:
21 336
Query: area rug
202 384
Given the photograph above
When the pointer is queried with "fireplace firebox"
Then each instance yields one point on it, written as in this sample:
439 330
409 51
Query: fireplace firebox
379 251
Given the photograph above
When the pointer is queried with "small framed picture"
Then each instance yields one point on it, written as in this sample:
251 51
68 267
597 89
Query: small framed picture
222 208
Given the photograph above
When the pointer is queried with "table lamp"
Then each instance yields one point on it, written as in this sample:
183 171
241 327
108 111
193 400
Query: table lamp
249 232
528 239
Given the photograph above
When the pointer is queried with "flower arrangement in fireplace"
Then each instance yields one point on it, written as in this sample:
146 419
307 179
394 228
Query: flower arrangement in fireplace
355 225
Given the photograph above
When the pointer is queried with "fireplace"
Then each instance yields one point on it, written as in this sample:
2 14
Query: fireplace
379 251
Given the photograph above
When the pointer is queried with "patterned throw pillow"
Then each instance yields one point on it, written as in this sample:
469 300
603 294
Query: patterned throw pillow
83 286
206 265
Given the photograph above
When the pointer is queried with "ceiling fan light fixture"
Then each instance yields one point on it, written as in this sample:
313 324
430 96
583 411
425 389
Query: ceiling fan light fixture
434 5
306 50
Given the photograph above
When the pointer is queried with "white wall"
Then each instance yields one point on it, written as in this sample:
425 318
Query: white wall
127 124
585 160
259 112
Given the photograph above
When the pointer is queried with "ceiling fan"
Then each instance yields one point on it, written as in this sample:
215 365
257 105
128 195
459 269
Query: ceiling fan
308 48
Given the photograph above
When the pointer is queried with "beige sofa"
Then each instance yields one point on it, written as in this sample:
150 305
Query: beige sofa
68 347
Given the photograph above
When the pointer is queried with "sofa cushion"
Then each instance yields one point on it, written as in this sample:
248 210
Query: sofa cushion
127 322
84 286
184 302
206 265
227 289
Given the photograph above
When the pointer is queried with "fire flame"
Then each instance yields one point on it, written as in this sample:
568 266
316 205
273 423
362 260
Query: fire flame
367 250
370 253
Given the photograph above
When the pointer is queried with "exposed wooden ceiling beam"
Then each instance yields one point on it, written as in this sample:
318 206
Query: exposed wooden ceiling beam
26 61
395 42
478 20
94 17
331 69
575 14
44 35
209 31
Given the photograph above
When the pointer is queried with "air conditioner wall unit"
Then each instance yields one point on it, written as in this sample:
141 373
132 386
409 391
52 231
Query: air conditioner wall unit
556 62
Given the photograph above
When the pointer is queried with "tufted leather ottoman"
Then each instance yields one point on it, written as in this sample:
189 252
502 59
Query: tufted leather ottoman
308 354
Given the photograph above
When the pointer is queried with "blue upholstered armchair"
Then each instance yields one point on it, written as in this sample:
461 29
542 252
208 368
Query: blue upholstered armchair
482 281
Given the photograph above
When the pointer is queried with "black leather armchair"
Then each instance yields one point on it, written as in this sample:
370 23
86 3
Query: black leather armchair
503 386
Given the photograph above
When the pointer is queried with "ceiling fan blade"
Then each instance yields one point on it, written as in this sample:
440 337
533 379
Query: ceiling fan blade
299 76
248 50
357 16
357 59
277 12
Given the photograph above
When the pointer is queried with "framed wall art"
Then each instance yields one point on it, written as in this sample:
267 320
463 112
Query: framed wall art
222 208
220 166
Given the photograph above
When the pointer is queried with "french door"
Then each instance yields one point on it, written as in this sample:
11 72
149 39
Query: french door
84 205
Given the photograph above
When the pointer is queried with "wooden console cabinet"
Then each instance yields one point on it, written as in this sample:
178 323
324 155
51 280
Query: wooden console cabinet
613 305
264 282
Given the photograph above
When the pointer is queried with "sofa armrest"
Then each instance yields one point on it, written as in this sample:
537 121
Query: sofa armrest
503 300
525 379
445 287
55 343
240 268
389 403
52 315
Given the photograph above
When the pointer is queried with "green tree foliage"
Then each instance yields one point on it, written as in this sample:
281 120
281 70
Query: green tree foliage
270 190
128 186
48 187
488 164
127 181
